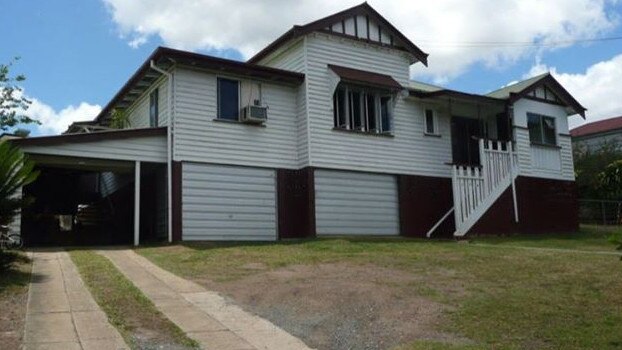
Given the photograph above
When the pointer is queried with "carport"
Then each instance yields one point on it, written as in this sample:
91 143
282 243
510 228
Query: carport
105 187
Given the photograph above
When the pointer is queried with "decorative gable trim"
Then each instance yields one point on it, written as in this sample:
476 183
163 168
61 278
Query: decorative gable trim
548 83
349 23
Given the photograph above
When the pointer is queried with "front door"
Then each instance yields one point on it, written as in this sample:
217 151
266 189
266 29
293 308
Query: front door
464 143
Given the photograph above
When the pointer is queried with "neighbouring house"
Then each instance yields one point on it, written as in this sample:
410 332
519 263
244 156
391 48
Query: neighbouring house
599 134
320 133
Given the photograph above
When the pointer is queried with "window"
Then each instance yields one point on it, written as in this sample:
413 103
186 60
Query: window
361 109
153 108
228 99
430 122
541 129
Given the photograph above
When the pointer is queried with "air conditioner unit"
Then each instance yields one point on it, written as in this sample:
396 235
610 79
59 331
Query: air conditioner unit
255 114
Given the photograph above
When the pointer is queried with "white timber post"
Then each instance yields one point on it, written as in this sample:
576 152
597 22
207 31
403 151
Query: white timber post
484 163
137 203
513 171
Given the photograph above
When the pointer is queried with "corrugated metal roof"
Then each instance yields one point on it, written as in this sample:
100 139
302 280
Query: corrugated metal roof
597 127
425 87
516 87
361 76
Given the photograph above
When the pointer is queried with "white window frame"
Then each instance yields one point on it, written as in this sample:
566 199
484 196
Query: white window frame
435 126
364 123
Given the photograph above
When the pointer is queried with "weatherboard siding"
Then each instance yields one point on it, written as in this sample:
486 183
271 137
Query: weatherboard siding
138 112
148 149
199 137
15 224
539 161
293 58
408 152
110 182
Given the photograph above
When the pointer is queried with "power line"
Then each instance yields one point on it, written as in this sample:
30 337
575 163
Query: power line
467 44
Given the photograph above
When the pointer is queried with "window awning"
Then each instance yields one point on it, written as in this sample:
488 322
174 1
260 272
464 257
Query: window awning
356 76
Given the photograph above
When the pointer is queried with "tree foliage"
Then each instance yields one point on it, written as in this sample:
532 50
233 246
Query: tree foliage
610 181
13 104
119 119
589 164
16 171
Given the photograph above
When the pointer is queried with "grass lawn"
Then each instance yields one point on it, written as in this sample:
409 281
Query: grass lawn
14 280
468 296
591 238
137 319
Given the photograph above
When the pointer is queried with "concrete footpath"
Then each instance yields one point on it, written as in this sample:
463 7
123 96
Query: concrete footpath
61 313
204 315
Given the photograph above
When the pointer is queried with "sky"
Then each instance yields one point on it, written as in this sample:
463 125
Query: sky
77 54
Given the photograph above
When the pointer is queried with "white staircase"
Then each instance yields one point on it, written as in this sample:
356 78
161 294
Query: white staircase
476 188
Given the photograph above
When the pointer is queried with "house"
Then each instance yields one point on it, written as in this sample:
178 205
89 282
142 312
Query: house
320 133
599 134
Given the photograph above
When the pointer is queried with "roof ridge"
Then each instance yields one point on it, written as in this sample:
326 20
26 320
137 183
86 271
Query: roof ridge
513 84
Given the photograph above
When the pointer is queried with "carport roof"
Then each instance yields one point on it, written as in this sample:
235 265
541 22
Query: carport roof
89 137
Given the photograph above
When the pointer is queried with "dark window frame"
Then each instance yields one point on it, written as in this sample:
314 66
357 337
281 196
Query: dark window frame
154 108
219 113
430 114
539 136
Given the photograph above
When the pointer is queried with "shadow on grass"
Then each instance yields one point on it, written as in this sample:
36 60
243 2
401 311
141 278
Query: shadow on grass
311 242
11 273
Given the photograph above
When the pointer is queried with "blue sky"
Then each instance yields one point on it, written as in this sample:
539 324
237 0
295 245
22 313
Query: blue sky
79 52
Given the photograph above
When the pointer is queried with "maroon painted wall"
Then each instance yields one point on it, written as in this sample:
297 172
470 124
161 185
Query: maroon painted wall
296 203
544 206
499 219
423 200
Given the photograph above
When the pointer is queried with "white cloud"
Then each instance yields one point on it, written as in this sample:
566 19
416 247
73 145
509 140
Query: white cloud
433 25
598 88
55 122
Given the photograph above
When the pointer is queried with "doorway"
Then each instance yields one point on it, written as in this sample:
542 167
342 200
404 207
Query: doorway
464 140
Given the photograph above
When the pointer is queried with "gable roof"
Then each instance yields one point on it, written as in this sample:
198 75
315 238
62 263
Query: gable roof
363 9
597 127
164 58
516 87
520 90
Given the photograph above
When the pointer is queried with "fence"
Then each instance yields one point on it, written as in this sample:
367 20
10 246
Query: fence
600 212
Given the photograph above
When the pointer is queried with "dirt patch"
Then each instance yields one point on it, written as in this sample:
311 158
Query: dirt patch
12 319
341 306
13 298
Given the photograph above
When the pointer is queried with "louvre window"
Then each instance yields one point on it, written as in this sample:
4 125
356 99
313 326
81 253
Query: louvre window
362 109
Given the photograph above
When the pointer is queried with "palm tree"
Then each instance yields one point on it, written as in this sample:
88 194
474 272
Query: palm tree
16 171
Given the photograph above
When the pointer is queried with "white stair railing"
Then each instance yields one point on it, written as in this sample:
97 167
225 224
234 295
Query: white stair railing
476 188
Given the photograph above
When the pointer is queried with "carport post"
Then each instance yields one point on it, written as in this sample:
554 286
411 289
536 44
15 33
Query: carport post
136 203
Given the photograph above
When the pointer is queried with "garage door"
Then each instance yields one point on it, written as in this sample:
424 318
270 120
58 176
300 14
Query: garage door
355 203
228 203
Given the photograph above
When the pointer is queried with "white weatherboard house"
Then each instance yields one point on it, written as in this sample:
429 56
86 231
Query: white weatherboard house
320 133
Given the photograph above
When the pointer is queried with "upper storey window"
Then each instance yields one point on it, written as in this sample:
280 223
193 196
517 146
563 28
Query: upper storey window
541 129
362 109
431 124
153 108
228 99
